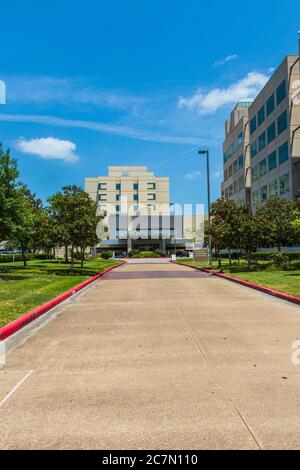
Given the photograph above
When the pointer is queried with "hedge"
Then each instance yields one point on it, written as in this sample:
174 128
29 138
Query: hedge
19 257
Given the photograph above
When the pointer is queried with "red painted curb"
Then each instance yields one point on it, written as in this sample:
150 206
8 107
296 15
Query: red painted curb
16 325
252 285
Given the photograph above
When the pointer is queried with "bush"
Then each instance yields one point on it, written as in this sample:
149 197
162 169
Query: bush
29 257
269 256
106 254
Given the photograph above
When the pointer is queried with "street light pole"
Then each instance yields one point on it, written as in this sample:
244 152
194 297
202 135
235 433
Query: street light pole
174 238
206 152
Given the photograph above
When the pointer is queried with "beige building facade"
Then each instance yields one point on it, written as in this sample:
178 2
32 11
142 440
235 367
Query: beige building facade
261 152
236 183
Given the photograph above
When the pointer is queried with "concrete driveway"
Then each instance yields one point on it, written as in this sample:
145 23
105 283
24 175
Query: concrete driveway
157 356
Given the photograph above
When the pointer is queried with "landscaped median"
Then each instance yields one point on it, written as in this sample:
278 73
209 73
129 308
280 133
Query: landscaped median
27 289
279 283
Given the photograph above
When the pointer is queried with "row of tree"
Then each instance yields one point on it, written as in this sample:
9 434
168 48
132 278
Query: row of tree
276 223
67 220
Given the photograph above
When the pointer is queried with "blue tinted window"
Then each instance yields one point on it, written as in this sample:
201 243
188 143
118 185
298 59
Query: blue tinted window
135 197
283 153
262 141
261 115
270 104
135 186
281 92
282 122
253 125
253 149
271 132
272 161
241 160
118 186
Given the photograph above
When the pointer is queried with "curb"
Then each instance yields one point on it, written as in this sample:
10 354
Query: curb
252 285
16 325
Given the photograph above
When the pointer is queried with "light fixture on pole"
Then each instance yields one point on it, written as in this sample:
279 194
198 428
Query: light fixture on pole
206 152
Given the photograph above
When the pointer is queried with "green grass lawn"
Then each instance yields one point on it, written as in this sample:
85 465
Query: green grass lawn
22 289
284 281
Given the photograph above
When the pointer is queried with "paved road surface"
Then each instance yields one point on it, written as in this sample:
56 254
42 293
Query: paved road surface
157 356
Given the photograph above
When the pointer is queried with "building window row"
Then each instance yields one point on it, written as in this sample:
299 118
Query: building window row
234 167
278 157
234 188
233 147
269 135
276 188
268 107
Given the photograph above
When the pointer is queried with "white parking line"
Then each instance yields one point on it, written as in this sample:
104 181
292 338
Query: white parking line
16 388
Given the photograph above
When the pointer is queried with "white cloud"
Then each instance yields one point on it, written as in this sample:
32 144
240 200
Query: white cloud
217 173
192 176
247 87
49 148
226 59
123 131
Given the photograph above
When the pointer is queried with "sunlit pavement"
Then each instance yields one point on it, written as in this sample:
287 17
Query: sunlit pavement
157 356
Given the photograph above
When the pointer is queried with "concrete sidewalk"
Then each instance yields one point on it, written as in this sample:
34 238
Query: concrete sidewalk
157 356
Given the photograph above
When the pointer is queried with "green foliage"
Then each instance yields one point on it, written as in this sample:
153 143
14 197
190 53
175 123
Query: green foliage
106 254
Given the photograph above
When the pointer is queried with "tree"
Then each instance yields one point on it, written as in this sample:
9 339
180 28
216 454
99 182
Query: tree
224 220
250 233
275 219
75 213
9 187
28 229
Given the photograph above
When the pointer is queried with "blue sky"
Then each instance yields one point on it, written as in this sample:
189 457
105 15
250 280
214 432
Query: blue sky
94 83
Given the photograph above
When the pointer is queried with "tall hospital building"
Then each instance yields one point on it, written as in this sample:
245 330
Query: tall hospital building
138 210
261 151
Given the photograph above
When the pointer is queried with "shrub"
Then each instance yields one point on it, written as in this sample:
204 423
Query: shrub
106 254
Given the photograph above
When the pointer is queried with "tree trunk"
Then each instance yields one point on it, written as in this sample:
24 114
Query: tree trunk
81 256
53 252
72 259
24 258
229 256
66 254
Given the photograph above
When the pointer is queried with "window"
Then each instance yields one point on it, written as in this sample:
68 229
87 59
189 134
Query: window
135 197
118 187
240 140
101 197
283 153
151 185
241 183
282 122
263 194
271 132
235 166
254 173
262 167
262 141
101 186
253 149
255 197
135 186
284 184
225 175
151 197
118 196
261 116
272 161
125 173
253 125
117 208
270 104
226 193
273 189
235 187
230 171
230 192
135 207
281 92
241 161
